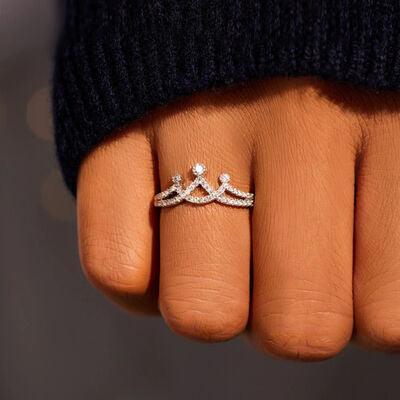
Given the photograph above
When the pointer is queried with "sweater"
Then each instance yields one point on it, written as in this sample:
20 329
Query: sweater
116 60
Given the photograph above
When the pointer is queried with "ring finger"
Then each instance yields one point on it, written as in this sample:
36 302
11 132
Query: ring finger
204 249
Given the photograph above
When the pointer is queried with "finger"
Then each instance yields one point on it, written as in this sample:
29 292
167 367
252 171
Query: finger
117 222
377 267
205 249
302 232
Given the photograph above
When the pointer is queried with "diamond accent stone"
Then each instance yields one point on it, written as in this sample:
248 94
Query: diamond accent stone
176 193
199 169
224 178
177 179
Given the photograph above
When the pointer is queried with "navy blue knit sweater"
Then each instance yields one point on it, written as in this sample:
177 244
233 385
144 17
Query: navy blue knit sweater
118 59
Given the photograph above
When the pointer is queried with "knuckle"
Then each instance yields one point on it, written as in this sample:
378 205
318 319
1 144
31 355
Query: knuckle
203 320
308 339
382 333
302 347
113 264
377 311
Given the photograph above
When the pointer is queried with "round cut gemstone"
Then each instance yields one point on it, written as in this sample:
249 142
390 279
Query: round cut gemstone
224 178
176 179
199 169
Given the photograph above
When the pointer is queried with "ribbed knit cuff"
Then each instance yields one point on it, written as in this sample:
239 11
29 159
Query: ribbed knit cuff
117 60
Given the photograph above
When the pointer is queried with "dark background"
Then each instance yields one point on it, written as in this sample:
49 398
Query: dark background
59 338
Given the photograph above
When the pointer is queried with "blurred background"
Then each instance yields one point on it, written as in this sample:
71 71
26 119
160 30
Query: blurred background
59 338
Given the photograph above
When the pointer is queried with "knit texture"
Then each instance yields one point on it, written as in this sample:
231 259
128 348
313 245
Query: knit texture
118 59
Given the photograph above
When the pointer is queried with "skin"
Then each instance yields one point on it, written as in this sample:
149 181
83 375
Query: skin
315 263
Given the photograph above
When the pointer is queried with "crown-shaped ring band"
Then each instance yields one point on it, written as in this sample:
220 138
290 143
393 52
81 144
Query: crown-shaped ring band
177 193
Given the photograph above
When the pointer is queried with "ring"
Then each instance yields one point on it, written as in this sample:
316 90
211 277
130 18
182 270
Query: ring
176 193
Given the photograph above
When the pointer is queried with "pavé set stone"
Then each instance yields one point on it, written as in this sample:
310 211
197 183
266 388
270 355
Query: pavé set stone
176 193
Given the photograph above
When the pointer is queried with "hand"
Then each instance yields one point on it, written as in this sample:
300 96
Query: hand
324 163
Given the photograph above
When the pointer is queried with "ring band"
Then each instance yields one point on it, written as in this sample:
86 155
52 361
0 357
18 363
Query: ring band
177 194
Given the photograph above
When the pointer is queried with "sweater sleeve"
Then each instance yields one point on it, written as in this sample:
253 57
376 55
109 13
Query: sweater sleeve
116 60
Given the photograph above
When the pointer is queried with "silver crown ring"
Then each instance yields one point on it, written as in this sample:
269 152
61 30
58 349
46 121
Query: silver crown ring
176 193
